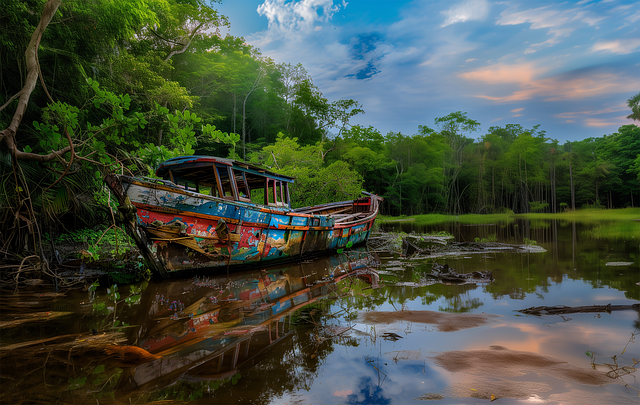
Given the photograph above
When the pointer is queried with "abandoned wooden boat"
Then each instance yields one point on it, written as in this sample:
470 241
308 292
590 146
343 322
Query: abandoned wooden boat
210 212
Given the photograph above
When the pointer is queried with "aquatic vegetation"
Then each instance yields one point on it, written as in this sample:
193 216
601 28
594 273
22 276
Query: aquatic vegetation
617 370
590 215
490 238
615 230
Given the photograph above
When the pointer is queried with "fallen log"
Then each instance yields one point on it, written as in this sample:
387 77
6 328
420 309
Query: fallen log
446 274
562 309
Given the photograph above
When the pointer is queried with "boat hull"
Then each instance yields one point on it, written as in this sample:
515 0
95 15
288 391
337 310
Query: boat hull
181 232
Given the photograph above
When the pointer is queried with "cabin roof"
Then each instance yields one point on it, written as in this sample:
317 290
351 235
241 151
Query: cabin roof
183 165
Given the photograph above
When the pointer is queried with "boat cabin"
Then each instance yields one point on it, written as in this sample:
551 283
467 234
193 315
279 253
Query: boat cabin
228 179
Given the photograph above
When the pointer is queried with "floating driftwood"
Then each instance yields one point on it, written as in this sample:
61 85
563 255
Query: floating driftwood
417 246
446 274
20 319
561 309
409 248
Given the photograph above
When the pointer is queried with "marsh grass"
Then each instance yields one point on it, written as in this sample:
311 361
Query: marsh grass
432 219
590 215
582 215
616 230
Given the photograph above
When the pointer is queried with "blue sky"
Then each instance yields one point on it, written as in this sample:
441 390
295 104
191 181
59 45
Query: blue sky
568 66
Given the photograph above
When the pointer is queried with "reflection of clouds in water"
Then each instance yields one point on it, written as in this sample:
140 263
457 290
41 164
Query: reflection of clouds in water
364 384
343 393
368 393
605 298
606 335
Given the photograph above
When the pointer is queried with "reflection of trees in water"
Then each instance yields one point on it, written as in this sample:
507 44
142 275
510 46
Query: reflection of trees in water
368 393
456 297
573 251
459 305
288 367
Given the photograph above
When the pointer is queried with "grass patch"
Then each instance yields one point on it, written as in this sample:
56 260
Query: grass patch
582 215
626 230
433 219
590 215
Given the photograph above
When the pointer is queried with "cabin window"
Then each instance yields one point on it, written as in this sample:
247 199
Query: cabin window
276 193
225 182
243 187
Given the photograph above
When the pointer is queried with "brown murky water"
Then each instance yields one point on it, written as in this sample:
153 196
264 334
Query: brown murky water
334 331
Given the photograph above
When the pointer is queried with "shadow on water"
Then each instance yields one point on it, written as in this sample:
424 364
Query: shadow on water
336 331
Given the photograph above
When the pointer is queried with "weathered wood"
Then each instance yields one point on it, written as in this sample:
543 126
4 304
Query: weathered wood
561 309
33 317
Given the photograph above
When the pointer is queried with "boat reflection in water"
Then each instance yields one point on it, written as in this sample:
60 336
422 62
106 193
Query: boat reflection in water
211 328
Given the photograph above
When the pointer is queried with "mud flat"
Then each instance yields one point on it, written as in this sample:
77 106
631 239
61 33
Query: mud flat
444 322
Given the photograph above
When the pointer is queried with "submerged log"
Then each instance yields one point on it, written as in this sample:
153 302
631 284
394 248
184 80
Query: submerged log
446 274
561 309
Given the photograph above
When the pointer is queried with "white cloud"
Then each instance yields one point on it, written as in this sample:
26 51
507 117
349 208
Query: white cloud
294 16
560 23
542 17
619 46
467 11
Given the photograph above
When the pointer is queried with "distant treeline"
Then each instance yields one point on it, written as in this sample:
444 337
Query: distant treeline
508 169
89 88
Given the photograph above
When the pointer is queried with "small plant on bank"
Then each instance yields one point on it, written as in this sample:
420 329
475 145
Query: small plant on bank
110 305
489 239
530 242
111 242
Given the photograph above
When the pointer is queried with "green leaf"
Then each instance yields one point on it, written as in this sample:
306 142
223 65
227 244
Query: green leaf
75 383
99 369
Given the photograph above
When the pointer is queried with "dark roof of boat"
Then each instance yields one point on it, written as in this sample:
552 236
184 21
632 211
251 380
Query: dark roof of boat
185 163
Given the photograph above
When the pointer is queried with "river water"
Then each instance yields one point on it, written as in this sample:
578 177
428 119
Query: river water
358 327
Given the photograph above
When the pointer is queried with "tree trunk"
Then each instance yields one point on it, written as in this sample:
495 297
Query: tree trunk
31 58
235 108
573 192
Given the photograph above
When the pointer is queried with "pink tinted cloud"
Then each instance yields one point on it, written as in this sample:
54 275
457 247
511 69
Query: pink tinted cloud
343 393
578 114
501 73
607 122
550 88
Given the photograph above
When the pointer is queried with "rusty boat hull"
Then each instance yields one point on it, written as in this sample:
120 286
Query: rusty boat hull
182 231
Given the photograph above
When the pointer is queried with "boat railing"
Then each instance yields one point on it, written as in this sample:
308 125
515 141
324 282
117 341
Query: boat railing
167 183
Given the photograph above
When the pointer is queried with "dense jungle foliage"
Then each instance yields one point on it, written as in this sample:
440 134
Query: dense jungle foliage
88 88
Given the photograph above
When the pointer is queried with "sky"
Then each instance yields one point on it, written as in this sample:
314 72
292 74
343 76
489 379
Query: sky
568 66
